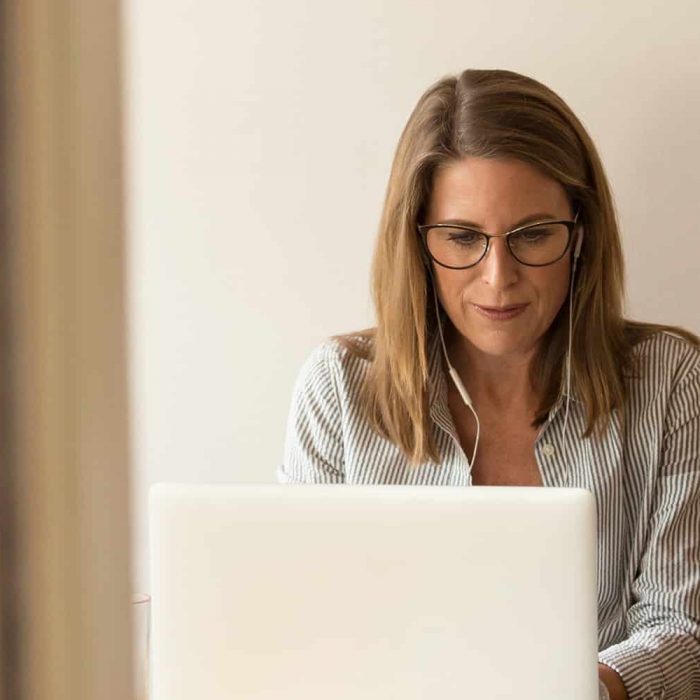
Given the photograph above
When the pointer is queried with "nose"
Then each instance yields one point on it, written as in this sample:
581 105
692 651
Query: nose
499 269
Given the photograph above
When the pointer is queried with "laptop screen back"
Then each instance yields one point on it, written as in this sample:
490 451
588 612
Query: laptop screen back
311 592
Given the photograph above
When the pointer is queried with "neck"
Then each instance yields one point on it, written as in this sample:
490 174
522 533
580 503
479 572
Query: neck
504 383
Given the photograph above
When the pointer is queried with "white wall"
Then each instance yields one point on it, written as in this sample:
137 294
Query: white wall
260 136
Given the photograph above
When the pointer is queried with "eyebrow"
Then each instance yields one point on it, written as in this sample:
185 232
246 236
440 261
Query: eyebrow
539 216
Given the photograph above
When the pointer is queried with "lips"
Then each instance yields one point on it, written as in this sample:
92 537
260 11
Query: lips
500 313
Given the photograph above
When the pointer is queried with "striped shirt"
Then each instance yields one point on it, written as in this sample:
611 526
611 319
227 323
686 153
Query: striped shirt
646 483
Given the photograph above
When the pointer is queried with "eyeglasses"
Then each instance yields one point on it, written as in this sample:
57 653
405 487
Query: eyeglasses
458 247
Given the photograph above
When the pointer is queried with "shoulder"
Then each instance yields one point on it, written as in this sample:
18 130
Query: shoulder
339 364
665 358
664 378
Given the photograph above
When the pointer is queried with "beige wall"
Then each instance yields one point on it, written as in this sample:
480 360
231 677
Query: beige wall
260 139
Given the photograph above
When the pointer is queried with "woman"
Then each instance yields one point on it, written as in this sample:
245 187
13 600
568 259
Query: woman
501 356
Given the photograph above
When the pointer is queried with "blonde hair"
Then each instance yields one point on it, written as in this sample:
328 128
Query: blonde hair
494 114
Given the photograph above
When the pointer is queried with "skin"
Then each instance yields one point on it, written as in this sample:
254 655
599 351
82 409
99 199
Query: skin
496 195
493 357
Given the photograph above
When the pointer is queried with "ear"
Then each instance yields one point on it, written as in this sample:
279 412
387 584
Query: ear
427 262
425 258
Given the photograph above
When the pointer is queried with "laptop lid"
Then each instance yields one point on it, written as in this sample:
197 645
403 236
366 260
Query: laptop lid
310 592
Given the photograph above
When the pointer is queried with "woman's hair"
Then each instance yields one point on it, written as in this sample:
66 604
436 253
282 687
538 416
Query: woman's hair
493 114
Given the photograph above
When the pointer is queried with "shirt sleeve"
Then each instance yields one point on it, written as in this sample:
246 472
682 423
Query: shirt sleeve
313 449
660 659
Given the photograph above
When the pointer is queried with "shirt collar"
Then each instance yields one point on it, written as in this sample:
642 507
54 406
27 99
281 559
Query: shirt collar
437 385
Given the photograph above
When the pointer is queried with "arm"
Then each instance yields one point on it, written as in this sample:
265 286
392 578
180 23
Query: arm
313 450
613 683
661 656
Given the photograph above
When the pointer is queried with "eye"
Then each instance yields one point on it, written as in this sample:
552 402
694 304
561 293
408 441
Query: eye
463 237
534 235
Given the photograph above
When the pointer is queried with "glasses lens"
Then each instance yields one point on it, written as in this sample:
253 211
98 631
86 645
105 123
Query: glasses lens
539 245
455 247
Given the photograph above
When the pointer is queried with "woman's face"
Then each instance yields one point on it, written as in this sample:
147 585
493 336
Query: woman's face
496 196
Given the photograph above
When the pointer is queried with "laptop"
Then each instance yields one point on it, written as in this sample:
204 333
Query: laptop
344 592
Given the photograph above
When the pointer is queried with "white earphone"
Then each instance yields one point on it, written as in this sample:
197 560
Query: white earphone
461 389
577 252
579 243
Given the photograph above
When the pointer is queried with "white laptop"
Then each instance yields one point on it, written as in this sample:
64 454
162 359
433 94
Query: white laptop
338 592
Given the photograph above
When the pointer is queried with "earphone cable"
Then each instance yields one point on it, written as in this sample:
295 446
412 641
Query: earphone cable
568 352
455 376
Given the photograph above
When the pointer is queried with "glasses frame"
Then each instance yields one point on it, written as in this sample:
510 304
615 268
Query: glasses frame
570 225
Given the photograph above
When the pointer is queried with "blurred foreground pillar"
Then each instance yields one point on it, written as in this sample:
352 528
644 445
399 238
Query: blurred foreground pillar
64 535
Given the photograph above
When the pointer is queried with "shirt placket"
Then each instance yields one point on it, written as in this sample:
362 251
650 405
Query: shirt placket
549 446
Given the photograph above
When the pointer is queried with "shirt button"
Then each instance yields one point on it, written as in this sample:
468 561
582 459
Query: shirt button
548 450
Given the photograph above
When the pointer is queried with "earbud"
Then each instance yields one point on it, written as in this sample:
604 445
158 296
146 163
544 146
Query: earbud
579 243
